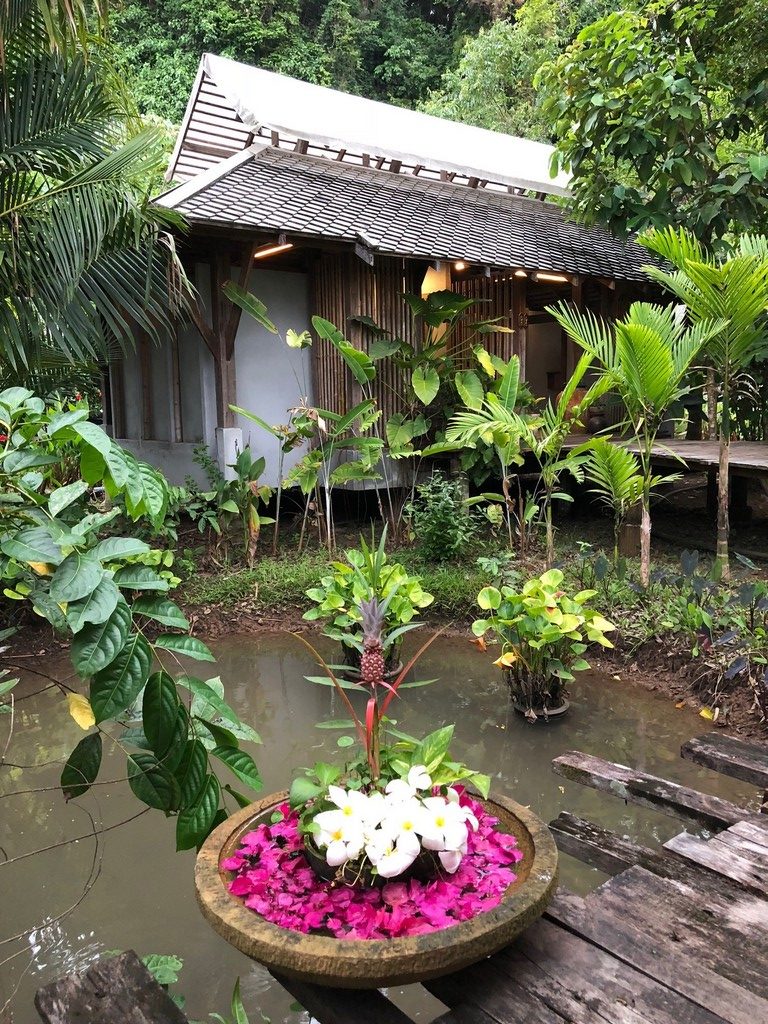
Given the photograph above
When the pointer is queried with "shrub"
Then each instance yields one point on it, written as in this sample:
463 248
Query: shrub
443 526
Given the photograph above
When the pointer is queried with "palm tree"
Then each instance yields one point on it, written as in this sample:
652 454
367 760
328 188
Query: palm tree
543 434
644 358
85 258
733 289
617 480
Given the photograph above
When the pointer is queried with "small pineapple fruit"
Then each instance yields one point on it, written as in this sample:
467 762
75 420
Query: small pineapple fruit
372 660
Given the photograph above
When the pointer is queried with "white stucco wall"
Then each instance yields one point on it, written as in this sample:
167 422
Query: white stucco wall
271 377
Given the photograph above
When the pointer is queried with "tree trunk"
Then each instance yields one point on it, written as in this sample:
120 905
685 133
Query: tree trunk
723 497
645 544
711 391
550 537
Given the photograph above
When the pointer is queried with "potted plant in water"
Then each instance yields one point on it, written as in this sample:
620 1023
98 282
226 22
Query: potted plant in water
367 573
543 634
384 869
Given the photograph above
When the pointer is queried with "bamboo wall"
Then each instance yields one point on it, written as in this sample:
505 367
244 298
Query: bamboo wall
346 287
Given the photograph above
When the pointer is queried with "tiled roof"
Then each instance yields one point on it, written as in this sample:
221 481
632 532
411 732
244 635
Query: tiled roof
402 215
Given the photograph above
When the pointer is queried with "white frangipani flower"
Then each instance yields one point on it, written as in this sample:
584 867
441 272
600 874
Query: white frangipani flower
405 789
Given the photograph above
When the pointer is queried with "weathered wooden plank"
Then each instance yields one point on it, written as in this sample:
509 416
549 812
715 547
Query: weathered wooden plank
563 991
649 790
729 756
718 857
464 1015
756 831
748 847
117 990
493 992
608 852
343 1006
658 957
588 966
724 935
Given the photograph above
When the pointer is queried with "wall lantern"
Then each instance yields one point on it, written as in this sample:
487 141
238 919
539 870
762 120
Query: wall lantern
554 278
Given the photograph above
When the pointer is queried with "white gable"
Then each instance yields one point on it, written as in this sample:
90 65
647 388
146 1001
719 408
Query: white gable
232 104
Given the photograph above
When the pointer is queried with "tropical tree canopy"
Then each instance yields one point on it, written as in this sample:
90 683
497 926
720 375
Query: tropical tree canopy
659 121
83 253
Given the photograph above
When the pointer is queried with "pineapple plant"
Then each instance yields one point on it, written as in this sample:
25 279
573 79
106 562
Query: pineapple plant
372 661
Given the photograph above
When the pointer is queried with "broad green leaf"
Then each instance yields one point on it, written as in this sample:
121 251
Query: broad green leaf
96 646
96 607
252 305
165 612
152 782
425 381
399 431
93 436
302 790
139 577
77 576
470 389
113 548
82 767
195 822
92 465
489 598
240 764
222 737
190 772
64 496
115 687
164 719
189 646
208 703
32 545
155 490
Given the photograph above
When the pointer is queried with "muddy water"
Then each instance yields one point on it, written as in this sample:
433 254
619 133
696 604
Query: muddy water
142 896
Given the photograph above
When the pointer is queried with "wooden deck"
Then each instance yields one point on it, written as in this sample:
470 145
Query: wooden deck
748 458
678 935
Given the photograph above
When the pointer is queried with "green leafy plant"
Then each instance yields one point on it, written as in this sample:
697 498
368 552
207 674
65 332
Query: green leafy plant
617 480
441 523
74 185
644 358
543 434
654 127
543 634
367 573
233 500
733 291
99 592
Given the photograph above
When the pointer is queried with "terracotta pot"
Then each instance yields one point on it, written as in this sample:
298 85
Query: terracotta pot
375 963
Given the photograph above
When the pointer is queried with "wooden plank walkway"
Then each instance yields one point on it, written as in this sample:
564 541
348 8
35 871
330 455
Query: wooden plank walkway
748 458
678 935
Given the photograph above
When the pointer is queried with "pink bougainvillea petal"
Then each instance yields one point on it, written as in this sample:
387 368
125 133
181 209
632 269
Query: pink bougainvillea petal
273 878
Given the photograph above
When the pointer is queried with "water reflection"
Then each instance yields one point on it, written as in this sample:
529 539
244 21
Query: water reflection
143 896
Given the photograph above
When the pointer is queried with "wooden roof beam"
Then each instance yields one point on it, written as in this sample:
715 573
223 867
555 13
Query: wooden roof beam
302 145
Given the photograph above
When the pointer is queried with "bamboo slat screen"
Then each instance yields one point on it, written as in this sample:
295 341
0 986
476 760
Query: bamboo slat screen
346 287
494 298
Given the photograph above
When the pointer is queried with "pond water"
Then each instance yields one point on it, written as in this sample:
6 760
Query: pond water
143 897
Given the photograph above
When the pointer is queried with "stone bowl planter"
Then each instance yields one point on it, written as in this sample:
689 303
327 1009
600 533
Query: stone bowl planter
375 963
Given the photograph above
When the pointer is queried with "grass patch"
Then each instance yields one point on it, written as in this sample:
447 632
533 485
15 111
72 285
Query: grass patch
273 581
284 580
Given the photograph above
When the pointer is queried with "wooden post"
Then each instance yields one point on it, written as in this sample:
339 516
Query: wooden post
571 354
145 373
520 320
